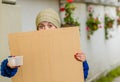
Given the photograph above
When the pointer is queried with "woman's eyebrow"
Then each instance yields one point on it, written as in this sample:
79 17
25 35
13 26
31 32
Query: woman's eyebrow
50 23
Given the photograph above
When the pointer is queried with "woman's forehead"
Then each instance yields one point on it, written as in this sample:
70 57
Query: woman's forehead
45 22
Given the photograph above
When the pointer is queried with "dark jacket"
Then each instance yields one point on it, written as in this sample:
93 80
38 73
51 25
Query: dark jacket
6 71
85 69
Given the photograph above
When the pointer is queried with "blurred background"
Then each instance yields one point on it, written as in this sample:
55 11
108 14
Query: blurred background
103 55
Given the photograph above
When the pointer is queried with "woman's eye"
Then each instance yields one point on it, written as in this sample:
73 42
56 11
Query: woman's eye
50 26
41 27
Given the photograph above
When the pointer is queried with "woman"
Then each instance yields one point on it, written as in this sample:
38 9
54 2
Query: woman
45 20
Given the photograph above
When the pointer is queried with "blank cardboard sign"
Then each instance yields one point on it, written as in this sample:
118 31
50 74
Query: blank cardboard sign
48 55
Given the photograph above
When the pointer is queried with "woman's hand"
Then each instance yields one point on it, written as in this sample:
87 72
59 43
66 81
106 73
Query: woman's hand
80 57
12 67
12 63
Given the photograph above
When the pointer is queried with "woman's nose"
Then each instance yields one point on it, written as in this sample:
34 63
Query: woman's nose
46 28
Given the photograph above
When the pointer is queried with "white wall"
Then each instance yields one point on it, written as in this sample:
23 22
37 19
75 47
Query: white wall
30 9
102 55
10 18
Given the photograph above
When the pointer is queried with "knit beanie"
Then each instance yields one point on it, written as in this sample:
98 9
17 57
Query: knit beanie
48 15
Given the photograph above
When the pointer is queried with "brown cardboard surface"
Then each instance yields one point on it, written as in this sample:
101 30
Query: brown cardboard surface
48 55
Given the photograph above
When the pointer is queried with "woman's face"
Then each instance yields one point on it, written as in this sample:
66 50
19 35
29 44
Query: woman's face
45 26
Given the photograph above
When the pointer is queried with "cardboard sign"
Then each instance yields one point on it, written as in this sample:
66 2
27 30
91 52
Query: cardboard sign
48 55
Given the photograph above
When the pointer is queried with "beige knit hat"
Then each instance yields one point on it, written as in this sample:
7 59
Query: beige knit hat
48 15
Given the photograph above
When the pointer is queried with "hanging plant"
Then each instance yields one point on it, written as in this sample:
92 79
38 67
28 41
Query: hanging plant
93 24
118 21
68 19
108 24
118 15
